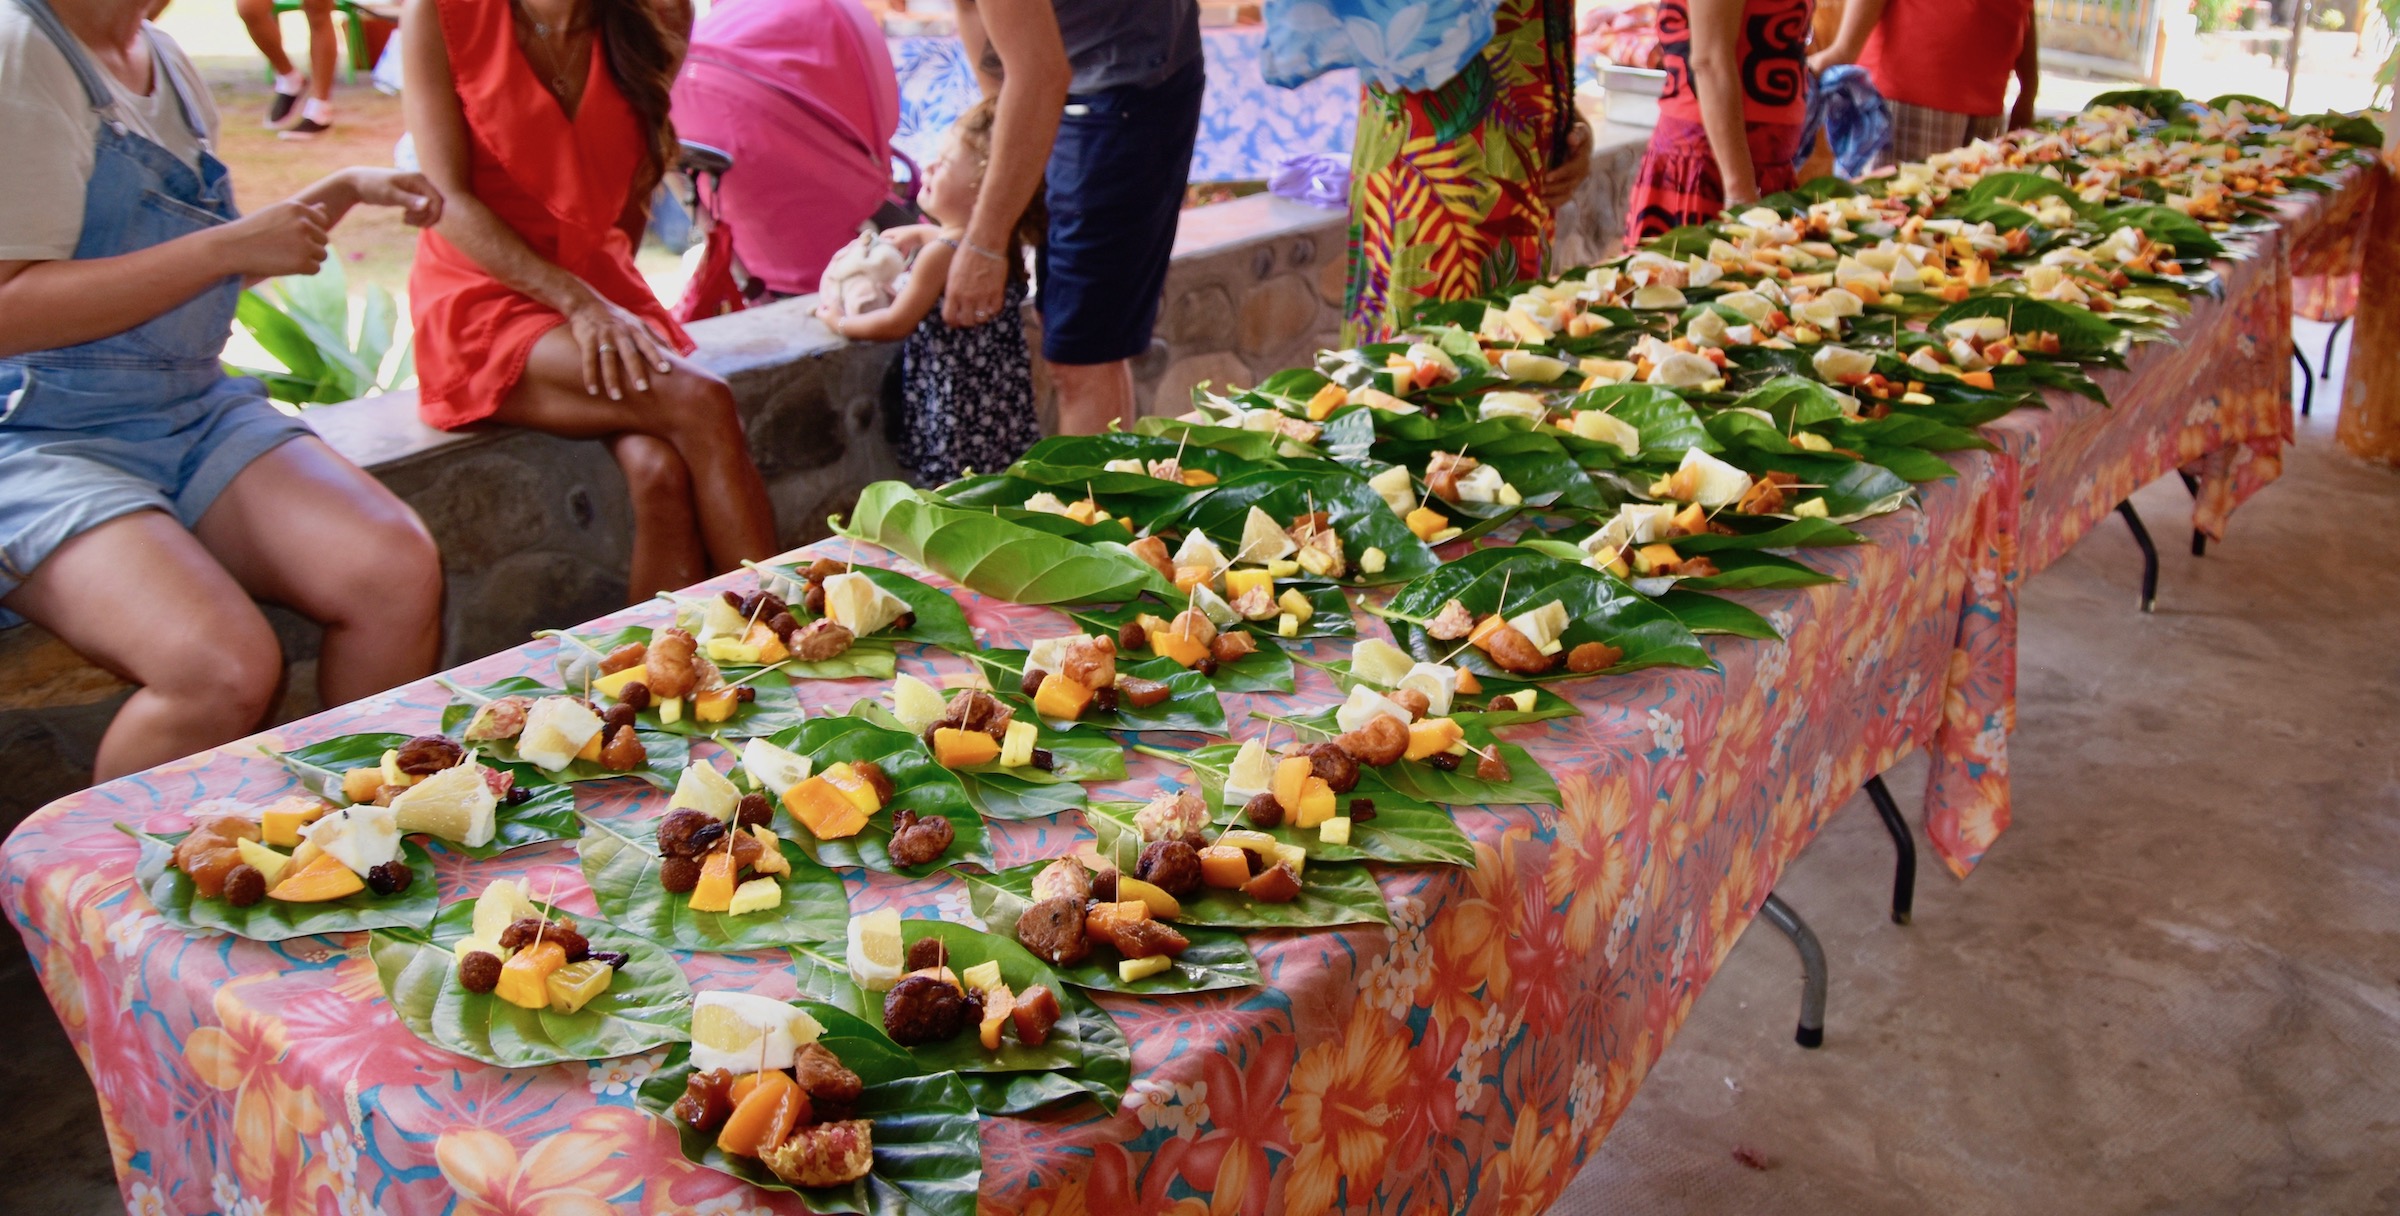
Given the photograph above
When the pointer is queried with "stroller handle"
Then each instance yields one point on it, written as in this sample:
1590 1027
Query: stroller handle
702 159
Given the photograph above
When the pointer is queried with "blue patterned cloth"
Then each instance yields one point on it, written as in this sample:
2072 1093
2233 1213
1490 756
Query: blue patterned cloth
1248 127
1399 44
1844 106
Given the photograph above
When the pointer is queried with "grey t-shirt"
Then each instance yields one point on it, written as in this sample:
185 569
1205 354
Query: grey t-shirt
1115 43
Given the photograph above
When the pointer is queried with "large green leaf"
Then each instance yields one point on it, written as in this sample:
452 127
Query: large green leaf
2165 225
1266 669
665 755
776 707
1702 613
647 1002
1397 828
1668 423
2082 333
1218 958
1077 756
918 784
928 1137
1852 489
1086 1050
1330 893
939 620
1257 446
1600 608
1360 517
623 874
997 556
547 813
1079 462
1191 702
272 920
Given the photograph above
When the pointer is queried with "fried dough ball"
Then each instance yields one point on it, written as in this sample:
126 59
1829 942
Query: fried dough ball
1383 740
631 654
1593 656
670 667
1515 653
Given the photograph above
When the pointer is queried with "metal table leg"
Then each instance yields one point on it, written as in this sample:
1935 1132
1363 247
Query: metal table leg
1904 870
2330 336
2141 536
1812 969
2308 381
2199 538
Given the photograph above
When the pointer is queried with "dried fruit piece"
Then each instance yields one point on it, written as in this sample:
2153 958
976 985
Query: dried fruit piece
426 755
1382 740
1277 884
1593 656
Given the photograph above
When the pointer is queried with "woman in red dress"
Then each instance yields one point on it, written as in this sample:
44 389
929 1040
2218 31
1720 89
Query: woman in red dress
1729 120
545 124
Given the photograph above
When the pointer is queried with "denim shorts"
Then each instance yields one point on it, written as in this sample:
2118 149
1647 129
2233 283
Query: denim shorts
58 482
1115 189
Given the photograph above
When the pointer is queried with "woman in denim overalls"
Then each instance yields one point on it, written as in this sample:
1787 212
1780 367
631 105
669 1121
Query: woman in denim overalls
145 497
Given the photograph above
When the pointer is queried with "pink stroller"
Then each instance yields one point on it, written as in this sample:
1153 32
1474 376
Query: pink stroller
800 100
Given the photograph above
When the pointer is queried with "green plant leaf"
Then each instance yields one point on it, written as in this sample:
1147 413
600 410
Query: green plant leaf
1708 614
623 874
1360 517
547 814
664 761
1191 702
647 1002
1086 1048
1600 608
1668 423
2169 227
1852 489
1330 894
939 620
1077 756
1217 959
1401 830
928 1142
1256 446
918 784
273 920
997 556
776 708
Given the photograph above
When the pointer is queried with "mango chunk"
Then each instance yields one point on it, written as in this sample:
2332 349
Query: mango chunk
954 748
1061 697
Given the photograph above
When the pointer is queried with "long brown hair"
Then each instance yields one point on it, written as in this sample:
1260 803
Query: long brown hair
644 49
974 131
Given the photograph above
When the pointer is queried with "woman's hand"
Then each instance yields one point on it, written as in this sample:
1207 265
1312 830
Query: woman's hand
974 289
420 202
618 347
1565 178
277 239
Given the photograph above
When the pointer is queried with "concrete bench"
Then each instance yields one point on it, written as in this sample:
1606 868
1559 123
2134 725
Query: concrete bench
535 531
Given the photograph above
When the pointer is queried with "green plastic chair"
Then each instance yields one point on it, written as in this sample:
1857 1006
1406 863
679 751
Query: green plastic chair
354 34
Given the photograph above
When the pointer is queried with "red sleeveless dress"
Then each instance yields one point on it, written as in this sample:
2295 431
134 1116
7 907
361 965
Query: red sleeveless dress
560 183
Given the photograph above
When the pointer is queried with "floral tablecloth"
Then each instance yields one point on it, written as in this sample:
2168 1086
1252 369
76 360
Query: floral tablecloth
1467 1058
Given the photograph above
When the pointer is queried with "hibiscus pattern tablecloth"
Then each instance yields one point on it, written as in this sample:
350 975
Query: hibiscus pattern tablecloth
1467 1058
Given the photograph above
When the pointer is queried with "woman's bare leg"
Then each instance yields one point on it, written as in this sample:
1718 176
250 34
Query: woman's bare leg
208 669
689 409
265 32
667 549
307 529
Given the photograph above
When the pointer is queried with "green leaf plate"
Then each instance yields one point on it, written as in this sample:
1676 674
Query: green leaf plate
664 759
997 556
271 920
547 814
928 1139
1330 893
1218 958
647 1002
918 784
1191 703
623 874
1600 608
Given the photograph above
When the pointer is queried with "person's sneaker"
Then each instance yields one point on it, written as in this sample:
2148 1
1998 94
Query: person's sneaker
280 108
306 128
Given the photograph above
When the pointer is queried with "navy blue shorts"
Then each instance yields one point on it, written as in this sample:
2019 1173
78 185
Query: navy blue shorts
1116 184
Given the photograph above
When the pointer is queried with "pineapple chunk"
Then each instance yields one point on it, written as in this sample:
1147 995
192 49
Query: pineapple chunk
981 976
770 859
1371 561
1335 830
1379 663
670 710
1016 750
756 895
1287 626
270 864
1295 605
915 703
575 985
392 775
1250 774
876 952
855 602
1131 969
702 788
1396 487
556 729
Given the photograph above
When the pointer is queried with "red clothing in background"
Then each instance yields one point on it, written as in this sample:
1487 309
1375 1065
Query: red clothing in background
1954 55
1773 54
560 182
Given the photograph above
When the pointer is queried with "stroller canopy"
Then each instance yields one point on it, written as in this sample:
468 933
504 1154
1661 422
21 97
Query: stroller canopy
802 94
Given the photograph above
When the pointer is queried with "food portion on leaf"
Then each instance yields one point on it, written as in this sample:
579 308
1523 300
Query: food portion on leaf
328 854
765 1087
717 848
517 953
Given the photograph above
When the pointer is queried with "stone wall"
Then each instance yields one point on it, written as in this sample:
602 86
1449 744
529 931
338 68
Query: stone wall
535 531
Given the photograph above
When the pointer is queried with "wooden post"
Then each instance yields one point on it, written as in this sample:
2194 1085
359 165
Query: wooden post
2370 423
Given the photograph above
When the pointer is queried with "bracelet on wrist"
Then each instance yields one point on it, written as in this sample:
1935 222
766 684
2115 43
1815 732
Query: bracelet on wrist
970 246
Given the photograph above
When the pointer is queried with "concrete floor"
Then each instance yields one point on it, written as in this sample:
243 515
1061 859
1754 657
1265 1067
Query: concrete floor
2174 986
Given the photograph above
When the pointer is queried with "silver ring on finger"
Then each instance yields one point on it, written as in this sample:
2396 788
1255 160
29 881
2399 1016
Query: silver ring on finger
607 349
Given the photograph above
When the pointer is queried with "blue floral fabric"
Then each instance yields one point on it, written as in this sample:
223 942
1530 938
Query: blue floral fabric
1844 105
1248 128
1399 44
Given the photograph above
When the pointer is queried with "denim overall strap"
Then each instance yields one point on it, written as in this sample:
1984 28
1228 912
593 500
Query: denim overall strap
140 195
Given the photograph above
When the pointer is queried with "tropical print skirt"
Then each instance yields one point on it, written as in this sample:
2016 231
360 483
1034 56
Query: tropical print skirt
1446 184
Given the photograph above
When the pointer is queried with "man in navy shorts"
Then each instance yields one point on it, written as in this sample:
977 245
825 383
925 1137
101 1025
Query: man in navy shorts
1113 88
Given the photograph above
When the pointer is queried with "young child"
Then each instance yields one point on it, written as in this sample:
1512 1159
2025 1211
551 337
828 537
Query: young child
967 394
